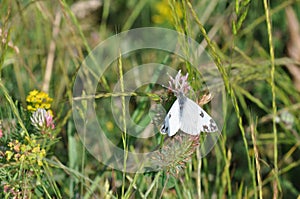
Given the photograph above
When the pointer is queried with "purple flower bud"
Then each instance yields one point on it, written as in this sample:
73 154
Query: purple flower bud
42 120
179 84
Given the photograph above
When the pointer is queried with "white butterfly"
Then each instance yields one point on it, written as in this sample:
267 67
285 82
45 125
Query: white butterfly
189 117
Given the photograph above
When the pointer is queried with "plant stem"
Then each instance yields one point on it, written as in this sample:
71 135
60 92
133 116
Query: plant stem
124 137
274 107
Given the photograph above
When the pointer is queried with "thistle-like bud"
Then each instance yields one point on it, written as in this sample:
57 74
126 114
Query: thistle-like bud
179 85
175 153
42 120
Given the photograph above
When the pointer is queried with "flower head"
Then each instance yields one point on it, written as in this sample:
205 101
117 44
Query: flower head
31 153
165 12
175 153
179 85
38 99
42 120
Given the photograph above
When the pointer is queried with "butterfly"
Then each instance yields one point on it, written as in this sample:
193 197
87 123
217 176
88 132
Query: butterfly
187 116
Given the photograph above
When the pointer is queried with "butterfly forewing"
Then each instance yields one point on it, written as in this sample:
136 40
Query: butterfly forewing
195 120
172 120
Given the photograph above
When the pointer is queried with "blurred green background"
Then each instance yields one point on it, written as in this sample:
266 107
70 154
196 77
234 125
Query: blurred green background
257 44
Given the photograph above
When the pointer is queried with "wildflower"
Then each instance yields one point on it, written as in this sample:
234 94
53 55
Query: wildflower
164 12
1 133
14 191
38 99
109 125
179 84
9 155
30 153
6 188
14 145
205 99
42 120
40 155
175 153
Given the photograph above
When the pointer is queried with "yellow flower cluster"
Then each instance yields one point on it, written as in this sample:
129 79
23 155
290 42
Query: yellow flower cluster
164 12
30 153
38 99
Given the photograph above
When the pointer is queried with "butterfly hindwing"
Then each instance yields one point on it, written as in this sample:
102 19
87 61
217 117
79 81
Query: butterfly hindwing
172 120
195 119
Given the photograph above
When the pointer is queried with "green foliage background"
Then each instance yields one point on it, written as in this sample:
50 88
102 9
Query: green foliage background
257 155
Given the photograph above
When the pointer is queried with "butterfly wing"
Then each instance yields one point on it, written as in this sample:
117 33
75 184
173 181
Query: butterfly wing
172 121
195 119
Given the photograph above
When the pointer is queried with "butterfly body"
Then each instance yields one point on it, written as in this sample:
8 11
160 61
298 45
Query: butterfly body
187 116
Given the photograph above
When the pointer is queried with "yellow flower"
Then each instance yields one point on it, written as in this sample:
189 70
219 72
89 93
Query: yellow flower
36 149
22 158
164 12
9 155
17 156
109 125
30 108
40 157
38 99
39 154
25 148
30 153
40 163
27 138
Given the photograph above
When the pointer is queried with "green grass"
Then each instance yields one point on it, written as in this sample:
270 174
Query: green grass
257 155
